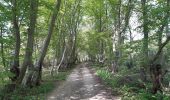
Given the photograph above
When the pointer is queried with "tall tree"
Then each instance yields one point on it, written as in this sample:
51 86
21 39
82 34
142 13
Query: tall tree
16 31
38 66
75 21
28 63
145 39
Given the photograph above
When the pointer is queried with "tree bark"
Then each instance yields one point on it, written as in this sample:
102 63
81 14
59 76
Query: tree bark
15 65
2 48
145 41
160 50
160 31
28 63
119 42
156 69
75 20
62 59
38 66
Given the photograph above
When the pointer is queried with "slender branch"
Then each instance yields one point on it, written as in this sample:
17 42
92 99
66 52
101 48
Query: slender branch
160 49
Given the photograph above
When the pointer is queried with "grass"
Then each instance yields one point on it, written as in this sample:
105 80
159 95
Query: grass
39 92
36 93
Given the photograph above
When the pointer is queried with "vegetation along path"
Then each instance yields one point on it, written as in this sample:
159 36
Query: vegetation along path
82 84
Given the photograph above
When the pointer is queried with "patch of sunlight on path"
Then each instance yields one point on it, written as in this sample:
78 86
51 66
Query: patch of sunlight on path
82 84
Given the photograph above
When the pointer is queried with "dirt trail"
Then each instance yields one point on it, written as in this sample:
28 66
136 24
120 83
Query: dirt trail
81 84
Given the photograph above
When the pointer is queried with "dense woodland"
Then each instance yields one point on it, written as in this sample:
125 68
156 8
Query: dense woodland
126 41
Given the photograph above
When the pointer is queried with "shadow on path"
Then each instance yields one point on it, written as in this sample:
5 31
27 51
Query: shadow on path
81 84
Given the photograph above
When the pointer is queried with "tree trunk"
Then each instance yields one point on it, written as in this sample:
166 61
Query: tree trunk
156 69
2 48
28 63
119 43
75 20
62 59
38 66
145 41
15 65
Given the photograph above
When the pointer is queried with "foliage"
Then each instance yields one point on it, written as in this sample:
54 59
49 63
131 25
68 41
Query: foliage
128 90
112 32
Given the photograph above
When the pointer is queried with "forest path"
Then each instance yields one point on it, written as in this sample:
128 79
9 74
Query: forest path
82 84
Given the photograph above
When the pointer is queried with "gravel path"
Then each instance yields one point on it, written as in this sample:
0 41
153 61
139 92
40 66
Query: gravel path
82 84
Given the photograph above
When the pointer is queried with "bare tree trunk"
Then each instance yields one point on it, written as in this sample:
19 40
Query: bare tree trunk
28 63
15 65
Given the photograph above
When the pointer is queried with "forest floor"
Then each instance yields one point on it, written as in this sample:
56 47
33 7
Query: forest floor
82 84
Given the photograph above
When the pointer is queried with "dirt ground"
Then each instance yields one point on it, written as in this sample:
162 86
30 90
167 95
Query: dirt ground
82 84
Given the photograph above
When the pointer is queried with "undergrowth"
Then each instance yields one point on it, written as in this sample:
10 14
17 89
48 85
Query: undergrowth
128 85
39 92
